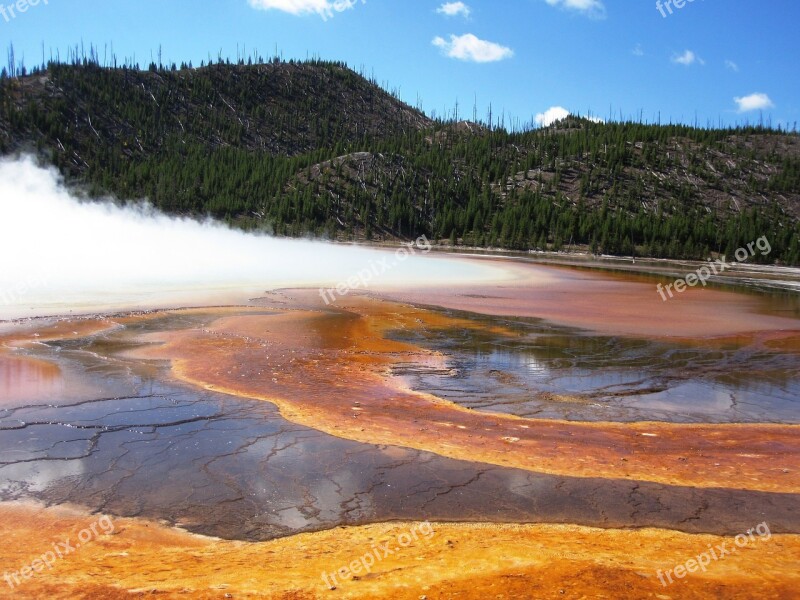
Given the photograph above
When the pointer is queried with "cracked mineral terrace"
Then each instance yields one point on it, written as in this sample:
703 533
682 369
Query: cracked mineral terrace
561 443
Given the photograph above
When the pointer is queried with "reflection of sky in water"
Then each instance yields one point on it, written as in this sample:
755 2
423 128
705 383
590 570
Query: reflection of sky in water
692 396
135 445
230 467
34 477
24 379
551 372
535 366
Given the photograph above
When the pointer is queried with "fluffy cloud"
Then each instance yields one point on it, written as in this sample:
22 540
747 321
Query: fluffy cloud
324 8
470 48
591 8
687 58
551 115
454 9
556 113
752 102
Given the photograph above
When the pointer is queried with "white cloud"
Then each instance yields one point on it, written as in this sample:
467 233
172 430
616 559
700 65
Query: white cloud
454 9
324 8
687 58
551 115
557 113
755 101
638 51
591 8
729 64
470 48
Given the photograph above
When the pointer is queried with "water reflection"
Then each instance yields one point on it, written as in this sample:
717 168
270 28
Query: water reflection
141 445
23 379
548 371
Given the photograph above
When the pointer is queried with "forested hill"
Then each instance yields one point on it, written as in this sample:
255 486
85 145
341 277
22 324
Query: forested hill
314 148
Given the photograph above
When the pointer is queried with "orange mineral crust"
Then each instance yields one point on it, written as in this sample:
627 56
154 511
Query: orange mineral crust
607 303
466 561
331 370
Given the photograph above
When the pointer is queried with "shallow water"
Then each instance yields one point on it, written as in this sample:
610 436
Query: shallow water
90 418
555 372
140 444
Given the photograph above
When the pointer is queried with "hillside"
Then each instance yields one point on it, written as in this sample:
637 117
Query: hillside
299 148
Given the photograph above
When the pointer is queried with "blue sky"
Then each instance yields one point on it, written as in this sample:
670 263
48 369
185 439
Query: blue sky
526 57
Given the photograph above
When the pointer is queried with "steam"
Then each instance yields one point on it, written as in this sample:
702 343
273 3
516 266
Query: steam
60 254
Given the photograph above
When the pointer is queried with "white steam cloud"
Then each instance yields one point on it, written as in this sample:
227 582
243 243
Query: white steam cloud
60 254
